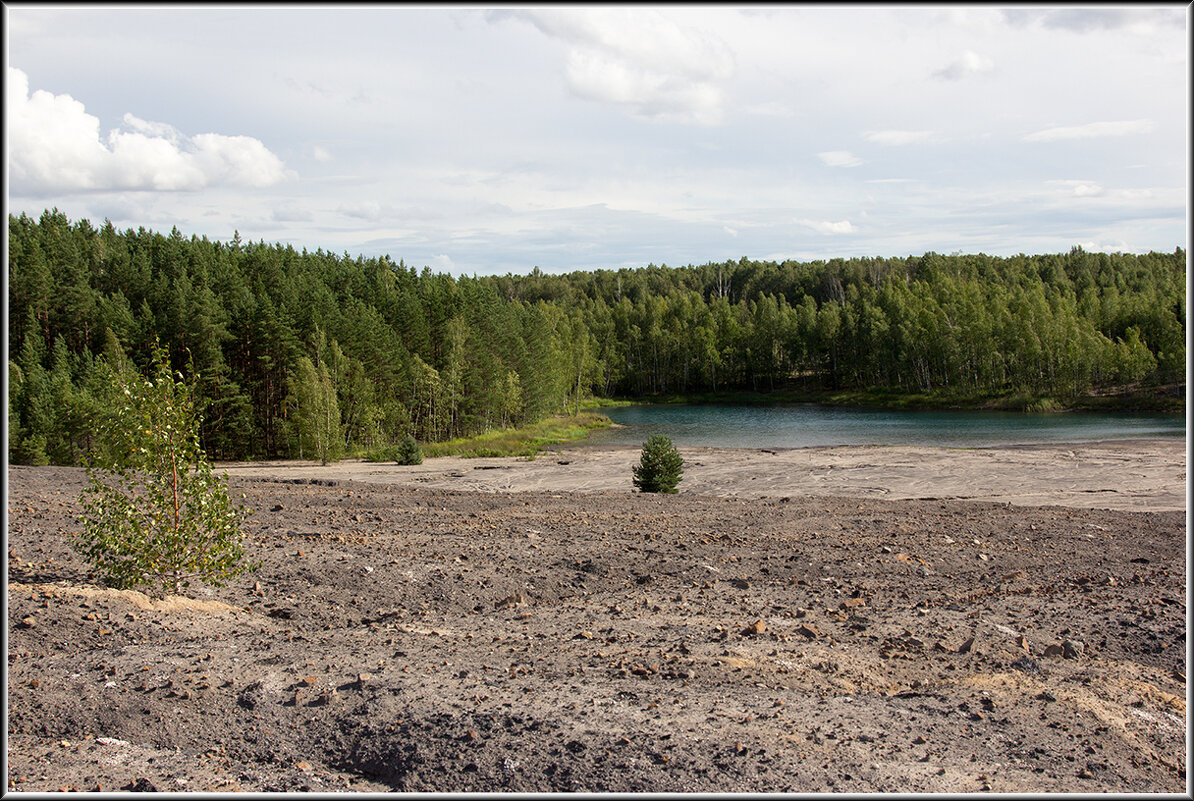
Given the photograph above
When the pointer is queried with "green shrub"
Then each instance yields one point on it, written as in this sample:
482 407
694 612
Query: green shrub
1042 406
408 451
660 467
154 515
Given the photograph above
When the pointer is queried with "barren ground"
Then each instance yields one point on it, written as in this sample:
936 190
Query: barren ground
842 619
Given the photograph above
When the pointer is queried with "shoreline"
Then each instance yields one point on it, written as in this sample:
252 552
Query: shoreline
1136 475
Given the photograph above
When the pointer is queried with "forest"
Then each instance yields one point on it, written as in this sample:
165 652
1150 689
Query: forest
296 354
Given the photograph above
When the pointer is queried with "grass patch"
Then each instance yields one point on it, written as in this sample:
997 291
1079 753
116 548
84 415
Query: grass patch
525 442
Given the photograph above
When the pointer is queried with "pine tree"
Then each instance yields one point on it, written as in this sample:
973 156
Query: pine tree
408 452
660 467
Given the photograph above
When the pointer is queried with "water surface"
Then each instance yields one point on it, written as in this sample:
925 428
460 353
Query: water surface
809 425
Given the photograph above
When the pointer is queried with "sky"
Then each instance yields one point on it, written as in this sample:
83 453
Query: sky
483 141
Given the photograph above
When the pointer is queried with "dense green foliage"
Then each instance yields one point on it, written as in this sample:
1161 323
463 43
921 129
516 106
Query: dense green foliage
660 467
408 452
284 340
153 513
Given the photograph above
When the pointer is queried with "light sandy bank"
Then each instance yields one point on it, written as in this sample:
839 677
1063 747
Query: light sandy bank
1142 475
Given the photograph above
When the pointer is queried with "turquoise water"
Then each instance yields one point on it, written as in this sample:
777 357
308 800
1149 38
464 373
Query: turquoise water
803 426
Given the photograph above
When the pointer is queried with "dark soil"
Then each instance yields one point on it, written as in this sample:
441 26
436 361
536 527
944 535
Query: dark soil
406 639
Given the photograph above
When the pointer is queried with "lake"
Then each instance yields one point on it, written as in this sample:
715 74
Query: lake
809 425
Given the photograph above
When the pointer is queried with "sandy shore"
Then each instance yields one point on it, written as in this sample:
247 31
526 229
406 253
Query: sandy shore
1139 475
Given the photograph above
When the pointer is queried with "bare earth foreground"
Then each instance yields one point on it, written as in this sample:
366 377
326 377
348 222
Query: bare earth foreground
827 619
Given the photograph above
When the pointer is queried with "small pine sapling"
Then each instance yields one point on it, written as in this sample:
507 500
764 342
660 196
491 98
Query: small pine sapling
660 467
408 451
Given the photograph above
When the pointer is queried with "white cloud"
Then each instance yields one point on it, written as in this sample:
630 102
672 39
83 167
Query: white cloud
55 146
897 137
640 59
291 213
1078 188
969 63
771 109
1118 246
826 227
1092 130
321 154
443 263
369 210
1087 20
839 158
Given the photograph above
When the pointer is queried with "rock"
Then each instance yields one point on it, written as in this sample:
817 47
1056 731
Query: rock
809 630
967 646
277 508
754 629
1054 650
1072 649
853 603
516 599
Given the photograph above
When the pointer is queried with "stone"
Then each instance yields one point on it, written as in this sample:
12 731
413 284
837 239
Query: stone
516 599
1054 650
809 630
1072 649
755 629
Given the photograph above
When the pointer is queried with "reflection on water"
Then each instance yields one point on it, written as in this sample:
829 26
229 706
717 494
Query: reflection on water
802 426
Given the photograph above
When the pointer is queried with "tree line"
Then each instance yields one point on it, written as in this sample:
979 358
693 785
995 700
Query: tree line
314 355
